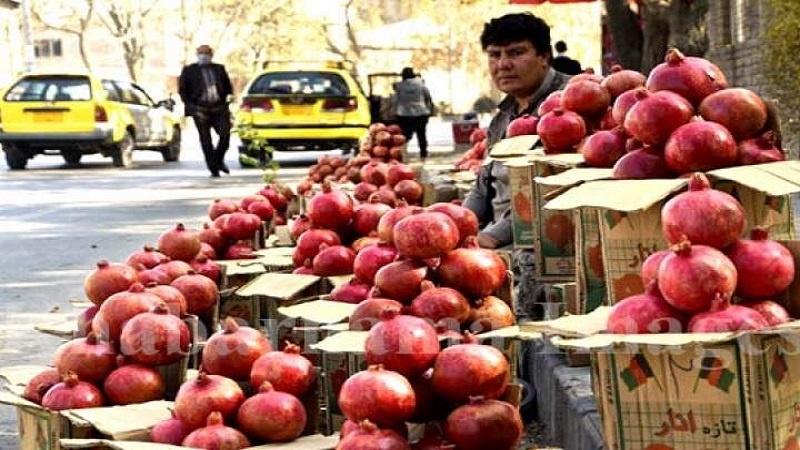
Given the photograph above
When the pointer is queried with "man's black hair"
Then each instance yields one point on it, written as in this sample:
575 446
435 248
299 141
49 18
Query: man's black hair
561 46
517 27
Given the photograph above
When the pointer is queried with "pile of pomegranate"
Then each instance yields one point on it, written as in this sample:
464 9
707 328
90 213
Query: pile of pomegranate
711 279
680 118
473 158
425 260
382 148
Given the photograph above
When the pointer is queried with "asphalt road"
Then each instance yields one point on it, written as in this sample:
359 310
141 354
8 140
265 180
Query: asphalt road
57 222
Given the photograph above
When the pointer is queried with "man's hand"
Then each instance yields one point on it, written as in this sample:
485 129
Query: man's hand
486 241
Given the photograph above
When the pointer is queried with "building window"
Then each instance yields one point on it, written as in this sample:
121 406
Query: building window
47 48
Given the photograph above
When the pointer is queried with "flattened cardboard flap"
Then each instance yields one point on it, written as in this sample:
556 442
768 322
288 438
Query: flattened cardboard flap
125 422
343 342
618 195
242 266
560 159
514 146
574 176
319 311
277 285
338 280
512 332
18 376
571 325
272 255
775 179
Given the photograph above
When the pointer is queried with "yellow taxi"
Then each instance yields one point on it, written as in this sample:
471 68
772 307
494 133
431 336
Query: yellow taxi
301 106
78 114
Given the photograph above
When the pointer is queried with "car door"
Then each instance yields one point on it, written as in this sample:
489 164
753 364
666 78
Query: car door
137 104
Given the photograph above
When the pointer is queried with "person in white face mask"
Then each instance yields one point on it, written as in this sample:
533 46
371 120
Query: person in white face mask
205 90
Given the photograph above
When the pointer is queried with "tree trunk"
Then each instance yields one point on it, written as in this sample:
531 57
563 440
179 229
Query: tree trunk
628 40
656 34
689 27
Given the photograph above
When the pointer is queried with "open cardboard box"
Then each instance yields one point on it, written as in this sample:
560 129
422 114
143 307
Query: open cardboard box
315 442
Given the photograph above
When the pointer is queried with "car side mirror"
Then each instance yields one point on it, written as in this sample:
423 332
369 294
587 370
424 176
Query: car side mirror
166 104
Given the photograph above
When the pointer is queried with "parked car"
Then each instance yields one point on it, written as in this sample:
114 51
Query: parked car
79 114
301 106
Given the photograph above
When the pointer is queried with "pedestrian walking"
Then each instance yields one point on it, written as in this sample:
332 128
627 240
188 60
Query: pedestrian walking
413 107
564 63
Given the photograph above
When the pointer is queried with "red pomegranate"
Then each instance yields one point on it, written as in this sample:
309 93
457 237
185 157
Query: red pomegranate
133 383
765 267
263 210
239 250
40 384
175 301
300 225
474 271
390 219
703 215
490 313
773 312
484 424
155 338
469 369
466 221
437 303
760 150
385 195
410 191
589 98
272 416
641 164
348 427
523 125
363 242
369 436
691 276
398 172
232 351
108 279
72 393
655 115
551 102
402 343
370 259
381 396
700 146
241 226
84 319
690 77
198 398
169 431
206 251
430 406
216 436
247 200
333 260
147 257
277 196
330 208
200 292
367 313
604 148
560 130
424 235
221 206
739 110
89 358
723 317
213 236
622 80
363 190
119 308
286 371
173 269
650 266
400 280
622 105
206 267
644 314
367 215
309 243
374 172
180 243
353 291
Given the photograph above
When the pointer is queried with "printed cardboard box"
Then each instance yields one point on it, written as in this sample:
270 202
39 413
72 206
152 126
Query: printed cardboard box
314 442
629 214
276 258
308 322
590 281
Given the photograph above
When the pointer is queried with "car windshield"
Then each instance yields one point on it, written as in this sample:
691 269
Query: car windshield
309 83
50 88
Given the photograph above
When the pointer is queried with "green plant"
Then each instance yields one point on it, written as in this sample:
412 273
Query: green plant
484 105
258 146
781 64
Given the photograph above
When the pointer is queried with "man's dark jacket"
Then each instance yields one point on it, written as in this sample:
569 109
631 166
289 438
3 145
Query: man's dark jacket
190 87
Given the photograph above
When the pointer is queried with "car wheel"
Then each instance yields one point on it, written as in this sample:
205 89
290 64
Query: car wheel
72 158
122 154
172 152
15 158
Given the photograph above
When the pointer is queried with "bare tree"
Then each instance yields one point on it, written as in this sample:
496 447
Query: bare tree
74 18
127 23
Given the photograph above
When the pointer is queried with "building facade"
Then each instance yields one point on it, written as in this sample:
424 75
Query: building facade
12 46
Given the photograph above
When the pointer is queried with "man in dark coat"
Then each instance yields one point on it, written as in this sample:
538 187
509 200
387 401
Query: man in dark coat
564 63
205 90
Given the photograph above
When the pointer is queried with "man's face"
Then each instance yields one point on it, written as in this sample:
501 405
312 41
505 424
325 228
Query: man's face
517 69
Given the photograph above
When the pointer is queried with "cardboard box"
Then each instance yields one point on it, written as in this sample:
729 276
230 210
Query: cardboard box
308 322
237 272
629 213
314 442
590 282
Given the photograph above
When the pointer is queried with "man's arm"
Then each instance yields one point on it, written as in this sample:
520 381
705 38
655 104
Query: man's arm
477 199
227 87
497 234
182 85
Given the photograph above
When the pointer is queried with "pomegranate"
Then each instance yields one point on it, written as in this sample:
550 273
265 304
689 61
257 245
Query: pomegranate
381 396
221 206
331 208
587 74
308 244
437 303
645 313
348 427
353 291
206 251
155 276
700 146
147 257
773 312
759 150
655 115
405 344
474 271
400 280
586 97
622 105
40 384
703 215
232 351
424 235
410 191
551 102
216 436
369 436
370 259
374 172
173 269
213 236
72 393
391 218
692 275
239 250
108 279
89 358
247 200
430 406
522 125
300 225
169 431
650 266
468 369
306 269
263 210
200 292
180 243
276 196
119 308
286 371
367 215
466 221
722 317
206 267
175 301
397 173
363 191
198 398
333 260
490 313
84 320
272 416
739 110
560 130
367 313
484 424
604 148
155 338
622 80
385 195
765 267
133 383
241 226
690 77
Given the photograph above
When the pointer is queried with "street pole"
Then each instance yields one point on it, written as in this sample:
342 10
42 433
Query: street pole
28 54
